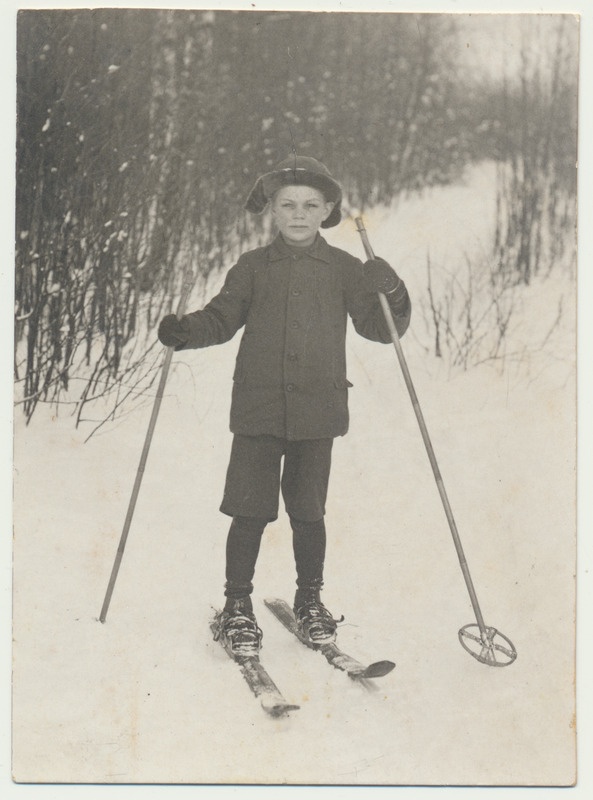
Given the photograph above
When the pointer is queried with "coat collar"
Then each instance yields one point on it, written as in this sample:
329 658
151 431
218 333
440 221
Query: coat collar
318 250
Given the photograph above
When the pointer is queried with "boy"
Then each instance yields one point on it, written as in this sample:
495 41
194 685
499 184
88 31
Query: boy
290 389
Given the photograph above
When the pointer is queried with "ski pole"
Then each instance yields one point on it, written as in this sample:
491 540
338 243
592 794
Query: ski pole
485 640
187 287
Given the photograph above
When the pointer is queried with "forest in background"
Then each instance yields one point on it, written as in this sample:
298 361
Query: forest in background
140 134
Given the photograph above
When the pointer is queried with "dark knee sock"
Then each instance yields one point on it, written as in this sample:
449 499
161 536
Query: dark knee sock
242 549
308 540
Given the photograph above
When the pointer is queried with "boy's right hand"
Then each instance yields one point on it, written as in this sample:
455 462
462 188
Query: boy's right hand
173 332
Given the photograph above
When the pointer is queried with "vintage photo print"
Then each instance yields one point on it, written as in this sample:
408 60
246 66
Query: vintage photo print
294 397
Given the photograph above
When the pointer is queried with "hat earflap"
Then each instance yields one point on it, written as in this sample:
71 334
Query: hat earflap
257 200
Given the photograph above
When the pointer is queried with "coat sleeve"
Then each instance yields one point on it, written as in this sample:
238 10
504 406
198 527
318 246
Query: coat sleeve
226 313
365 309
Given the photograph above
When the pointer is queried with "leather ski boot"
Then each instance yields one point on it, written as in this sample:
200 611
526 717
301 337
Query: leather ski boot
238 629
314 621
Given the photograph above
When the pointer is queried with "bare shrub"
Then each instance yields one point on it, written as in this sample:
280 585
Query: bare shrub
469 312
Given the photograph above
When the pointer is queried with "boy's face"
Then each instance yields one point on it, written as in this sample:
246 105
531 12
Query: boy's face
298 211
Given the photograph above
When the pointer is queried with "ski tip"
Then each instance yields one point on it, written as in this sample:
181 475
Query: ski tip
376 670
272 602
279 709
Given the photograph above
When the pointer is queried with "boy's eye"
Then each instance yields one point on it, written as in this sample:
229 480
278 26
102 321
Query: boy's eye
287 204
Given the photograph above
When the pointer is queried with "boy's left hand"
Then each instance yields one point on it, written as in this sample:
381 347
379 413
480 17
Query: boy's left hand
379 276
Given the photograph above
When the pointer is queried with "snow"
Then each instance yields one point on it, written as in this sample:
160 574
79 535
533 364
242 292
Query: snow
148 697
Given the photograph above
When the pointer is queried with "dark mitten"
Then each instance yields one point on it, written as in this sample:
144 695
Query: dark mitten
379 276
173 332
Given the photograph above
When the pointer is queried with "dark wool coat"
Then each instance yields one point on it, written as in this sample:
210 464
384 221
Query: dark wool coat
290 376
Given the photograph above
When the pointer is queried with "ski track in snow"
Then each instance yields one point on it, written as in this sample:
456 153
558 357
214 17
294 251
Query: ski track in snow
149 697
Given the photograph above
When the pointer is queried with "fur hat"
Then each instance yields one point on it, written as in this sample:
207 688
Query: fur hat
300 171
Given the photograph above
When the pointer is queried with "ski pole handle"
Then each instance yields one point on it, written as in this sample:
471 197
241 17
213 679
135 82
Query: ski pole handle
387 313
364 236
385 306
188 285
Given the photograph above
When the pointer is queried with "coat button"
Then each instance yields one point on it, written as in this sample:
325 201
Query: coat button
296 292
290 387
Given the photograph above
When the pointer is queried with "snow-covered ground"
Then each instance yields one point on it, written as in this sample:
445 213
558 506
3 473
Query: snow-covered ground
148 697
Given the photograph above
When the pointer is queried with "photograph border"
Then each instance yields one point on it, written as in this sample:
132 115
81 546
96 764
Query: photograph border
584 785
